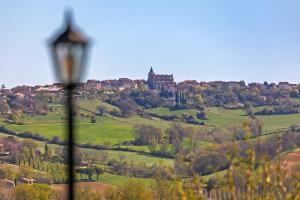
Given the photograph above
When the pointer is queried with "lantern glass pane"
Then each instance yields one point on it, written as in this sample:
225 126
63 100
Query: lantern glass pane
69 62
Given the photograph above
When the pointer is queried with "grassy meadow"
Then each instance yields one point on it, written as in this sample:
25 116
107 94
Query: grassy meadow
117 180
114 130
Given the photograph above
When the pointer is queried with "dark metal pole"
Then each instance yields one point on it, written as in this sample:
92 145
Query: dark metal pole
70 89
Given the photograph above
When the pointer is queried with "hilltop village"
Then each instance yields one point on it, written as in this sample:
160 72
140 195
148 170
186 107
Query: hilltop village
155 131
230 94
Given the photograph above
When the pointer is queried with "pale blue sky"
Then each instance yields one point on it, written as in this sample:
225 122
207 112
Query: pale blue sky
205 40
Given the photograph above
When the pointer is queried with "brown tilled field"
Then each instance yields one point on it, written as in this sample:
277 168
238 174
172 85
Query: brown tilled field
292 159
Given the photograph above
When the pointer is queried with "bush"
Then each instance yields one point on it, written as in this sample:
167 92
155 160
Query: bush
24 134
179 107
101 110
164 117
56 140
33 136
116 113
168 117
20 123
190 119
87 193
145 98
36 191
282 109
7 131
93 119
210 162
131 190
201 115
147 135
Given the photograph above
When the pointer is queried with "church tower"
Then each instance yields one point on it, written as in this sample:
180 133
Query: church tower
151 79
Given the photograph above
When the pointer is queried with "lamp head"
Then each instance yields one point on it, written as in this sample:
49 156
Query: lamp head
69 50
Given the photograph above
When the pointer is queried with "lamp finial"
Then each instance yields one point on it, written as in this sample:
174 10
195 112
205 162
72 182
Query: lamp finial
68 17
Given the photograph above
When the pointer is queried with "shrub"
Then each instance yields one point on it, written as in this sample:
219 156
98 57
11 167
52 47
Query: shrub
164 117
201 115
131 190
116 113
36 191
210 162
93 119
7 131
190 119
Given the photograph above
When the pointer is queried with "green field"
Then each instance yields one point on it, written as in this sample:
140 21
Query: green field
110 130
135 158
57 116
114 130
167 111
129 157
274 122
218 117
135 120
224 118
104 130
93 103
113 179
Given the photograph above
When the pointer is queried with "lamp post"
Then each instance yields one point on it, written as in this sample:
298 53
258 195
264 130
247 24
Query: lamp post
69 51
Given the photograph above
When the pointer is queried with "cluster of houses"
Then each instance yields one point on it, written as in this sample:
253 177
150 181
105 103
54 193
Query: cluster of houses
155 82
5 183
8 184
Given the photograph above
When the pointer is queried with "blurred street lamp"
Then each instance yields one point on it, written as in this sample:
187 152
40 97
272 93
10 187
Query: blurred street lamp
69 52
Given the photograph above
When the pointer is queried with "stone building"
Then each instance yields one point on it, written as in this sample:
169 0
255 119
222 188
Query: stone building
160 81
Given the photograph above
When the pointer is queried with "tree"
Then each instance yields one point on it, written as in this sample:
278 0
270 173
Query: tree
7 173
41 109
16 115
163 189
101 110
116 112
103 156
211 184
29 147
147 135
93 119
131 190
86 193
146 98
127 107
164 147
201 115
180 166
98 171
198 99
4 107
35 191
81 171
89 171
152 145
48 152
249 110
210 162
25 172
175 134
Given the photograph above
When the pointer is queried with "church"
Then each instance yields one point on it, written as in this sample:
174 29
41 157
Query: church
160 81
